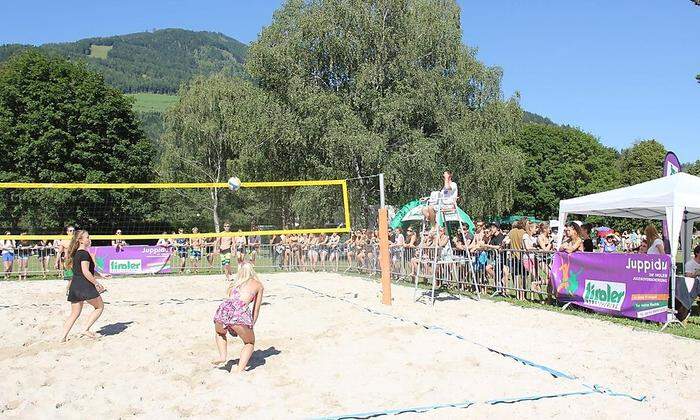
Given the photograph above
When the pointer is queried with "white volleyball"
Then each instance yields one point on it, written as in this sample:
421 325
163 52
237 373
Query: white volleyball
234 183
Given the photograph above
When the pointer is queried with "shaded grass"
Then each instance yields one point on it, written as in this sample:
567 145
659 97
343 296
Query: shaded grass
152 102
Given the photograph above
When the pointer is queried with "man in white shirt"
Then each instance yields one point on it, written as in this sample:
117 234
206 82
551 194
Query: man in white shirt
443 199
692 266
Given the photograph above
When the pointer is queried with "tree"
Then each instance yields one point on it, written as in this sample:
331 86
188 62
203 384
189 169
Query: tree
642 162
152 125
198 144
692 168
561 163
61 123
387 86
531 117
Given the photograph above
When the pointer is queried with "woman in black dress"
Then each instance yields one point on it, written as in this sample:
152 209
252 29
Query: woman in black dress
83 285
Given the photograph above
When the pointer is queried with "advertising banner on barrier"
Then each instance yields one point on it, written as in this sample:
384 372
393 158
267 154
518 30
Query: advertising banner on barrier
630 285
132 259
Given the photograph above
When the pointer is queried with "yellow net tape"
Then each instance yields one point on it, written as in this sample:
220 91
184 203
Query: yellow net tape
165 185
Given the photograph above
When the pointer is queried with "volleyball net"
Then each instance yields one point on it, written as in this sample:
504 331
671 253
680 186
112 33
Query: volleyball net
142 212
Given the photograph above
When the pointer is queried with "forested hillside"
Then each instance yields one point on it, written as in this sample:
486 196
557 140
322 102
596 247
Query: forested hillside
531 117
155 62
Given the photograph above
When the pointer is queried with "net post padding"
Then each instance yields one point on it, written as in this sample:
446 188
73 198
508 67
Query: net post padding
384 260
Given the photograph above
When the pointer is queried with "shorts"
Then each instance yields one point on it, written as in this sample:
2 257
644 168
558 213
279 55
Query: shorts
182 252
8 256
196 254
225 257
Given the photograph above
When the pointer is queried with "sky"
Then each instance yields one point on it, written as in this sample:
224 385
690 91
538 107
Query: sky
621 70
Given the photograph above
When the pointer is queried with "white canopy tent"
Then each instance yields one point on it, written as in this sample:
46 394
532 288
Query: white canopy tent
675 198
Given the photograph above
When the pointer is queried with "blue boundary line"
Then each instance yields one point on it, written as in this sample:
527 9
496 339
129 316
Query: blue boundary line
592 389
464 404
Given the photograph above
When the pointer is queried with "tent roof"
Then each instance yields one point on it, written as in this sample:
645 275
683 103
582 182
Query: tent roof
647 200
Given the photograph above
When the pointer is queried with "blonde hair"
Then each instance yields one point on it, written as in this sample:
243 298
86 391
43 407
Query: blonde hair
651 233
73 247
245 272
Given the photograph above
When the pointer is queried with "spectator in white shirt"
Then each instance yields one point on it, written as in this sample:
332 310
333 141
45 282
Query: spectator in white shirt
692 266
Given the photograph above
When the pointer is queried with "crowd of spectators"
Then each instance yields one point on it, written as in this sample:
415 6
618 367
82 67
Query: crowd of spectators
48 253
506 252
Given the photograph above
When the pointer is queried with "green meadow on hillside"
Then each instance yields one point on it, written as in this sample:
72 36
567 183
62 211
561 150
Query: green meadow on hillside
100 51
152 102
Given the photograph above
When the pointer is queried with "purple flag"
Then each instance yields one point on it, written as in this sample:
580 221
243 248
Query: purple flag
671 166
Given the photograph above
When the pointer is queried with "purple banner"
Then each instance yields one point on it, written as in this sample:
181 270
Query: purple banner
630 285
671 166
132 259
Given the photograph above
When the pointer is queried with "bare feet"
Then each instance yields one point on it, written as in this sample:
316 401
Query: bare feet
218 362
88 334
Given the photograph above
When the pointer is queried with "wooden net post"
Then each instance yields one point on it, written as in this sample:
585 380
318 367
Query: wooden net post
384 260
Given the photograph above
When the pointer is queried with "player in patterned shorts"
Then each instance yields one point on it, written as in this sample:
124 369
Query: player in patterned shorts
224 244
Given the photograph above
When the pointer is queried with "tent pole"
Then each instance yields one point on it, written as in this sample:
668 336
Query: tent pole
671 317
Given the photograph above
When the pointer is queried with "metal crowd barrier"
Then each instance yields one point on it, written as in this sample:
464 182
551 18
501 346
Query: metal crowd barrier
516 273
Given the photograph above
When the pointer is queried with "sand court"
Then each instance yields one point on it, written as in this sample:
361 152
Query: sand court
326 347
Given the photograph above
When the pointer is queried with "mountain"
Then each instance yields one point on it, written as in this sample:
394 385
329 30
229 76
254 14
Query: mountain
156 62
531 117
